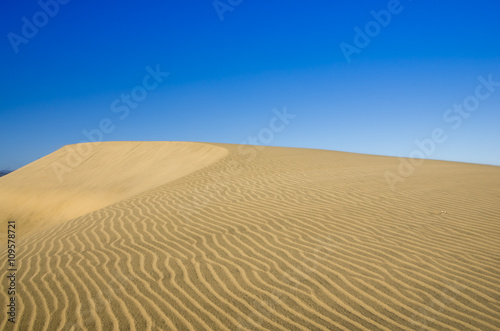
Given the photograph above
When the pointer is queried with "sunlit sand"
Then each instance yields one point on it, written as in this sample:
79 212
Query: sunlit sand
198 236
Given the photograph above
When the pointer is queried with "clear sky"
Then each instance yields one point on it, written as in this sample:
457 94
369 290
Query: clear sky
361 76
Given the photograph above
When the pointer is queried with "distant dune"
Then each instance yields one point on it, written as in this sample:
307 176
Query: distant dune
4 172
196 236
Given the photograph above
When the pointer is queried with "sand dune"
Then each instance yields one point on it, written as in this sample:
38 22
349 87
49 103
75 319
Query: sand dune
63 185
291 239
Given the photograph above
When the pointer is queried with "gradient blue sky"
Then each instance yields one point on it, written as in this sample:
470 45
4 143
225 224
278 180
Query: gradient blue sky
227 76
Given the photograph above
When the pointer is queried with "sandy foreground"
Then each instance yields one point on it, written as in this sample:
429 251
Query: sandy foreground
196 236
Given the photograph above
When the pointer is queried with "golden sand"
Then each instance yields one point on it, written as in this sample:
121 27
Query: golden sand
192 236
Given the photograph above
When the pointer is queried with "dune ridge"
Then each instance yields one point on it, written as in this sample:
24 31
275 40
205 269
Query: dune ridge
65 185
293 239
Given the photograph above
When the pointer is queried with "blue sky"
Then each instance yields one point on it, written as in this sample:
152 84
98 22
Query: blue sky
226 76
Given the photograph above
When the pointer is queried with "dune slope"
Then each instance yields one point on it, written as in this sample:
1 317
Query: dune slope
65 185
282 239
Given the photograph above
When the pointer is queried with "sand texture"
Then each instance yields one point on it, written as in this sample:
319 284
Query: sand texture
195 236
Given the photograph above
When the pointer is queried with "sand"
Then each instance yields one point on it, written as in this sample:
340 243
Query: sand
196 236
62 186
